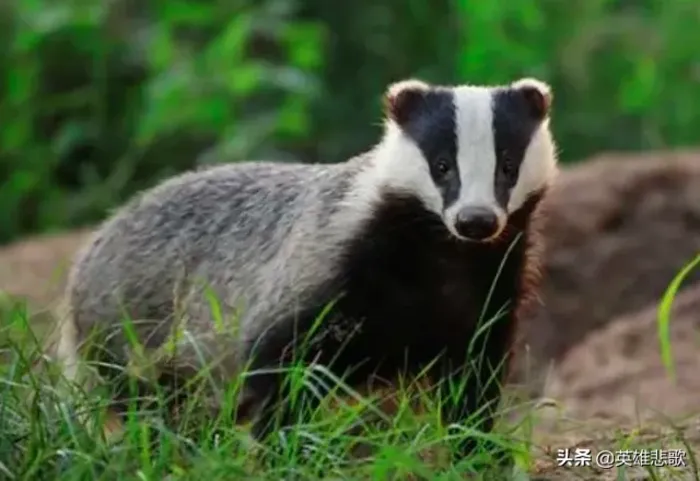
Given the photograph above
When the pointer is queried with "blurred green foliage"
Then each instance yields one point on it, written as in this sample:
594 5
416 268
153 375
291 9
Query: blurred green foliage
101 99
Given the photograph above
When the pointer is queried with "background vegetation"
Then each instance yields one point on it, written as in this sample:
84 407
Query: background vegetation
100 99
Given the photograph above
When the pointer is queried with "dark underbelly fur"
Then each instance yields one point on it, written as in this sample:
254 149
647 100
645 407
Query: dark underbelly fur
414 297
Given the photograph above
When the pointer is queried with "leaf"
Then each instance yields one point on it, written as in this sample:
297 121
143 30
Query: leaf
664 316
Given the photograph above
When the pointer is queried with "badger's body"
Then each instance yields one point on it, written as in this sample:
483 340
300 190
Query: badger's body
255 238
382 238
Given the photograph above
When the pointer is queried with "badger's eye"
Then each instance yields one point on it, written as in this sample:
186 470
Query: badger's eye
443 165
508 165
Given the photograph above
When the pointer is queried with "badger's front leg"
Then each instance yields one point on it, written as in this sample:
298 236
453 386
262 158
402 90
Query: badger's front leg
282 404
470 384
281 396
286 402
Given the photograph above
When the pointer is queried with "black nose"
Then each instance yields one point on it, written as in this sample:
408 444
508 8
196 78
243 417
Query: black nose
476 223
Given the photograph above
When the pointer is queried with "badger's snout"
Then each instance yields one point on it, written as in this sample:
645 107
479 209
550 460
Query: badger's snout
477 223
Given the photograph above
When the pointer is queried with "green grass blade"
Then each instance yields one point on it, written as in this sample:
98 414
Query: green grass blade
664 316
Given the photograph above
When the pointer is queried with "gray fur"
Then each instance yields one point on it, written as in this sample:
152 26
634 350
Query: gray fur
263 236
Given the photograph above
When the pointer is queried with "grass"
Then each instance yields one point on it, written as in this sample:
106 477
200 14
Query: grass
665 315
44 437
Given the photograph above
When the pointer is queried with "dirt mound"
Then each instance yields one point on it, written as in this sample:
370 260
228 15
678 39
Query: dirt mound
35 269
619 229
617 371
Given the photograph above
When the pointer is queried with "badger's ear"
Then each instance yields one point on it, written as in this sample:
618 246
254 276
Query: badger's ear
538 95
402 98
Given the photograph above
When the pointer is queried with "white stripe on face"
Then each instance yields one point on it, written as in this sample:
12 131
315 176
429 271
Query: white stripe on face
476 156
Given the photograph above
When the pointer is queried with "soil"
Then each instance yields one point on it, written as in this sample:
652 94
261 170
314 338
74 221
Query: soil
35 269
625 378
614 380
619 229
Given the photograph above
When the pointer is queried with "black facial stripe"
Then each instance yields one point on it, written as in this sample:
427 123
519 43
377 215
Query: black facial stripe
432 128
513 128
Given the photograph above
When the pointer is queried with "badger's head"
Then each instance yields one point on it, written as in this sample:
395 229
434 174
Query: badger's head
472 154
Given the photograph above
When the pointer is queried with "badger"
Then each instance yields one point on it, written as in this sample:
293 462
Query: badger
405 248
